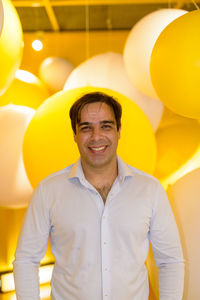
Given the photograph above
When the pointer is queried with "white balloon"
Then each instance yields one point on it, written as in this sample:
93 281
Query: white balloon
107 71
15 189
1 16
54 72
139 46
184 196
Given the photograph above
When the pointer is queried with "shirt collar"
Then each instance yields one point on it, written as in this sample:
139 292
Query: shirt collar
123 171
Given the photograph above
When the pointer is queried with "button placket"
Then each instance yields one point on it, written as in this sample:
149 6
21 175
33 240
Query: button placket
105 256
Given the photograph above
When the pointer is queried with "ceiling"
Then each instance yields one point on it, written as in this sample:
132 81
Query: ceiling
77 15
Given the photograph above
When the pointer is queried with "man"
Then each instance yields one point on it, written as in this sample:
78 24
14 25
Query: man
100 214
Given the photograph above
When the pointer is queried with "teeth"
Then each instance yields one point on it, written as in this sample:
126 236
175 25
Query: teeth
98 149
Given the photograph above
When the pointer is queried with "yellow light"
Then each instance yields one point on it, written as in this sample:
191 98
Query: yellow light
37 45
45 273
7 280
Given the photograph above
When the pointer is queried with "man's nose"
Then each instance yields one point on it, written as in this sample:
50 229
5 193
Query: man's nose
96 133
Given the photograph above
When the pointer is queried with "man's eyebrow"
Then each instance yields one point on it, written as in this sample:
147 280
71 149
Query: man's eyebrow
107 122
101 122
83 123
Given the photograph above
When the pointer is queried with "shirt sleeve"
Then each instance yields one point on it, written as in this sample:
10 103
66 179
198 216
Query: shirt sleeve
165 242
31 247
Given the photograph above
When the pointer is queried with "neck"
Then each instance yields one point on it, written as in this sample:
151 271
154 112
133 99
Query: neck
98 176
102 178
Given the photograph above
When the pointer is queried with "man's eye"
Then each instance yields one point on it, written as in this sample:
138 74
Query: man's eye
106 126
85 128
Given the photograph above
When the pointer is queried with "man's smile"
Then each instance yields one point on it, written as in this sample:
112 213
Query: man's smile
99 149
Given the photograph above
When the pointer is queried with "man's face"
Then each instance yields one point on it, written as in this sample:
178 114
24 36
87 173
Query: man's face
97 136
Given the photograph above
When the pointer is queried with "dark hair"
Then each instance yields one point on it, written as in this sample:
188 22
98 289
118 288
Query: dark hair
75 111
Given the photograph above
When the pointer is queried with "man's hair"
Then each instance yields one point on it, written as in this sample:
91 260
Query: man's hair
75 111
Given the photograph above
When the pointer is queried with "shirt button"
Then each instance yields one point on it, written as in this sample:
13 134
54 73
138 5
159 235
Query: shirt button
105 269
104 217
105 243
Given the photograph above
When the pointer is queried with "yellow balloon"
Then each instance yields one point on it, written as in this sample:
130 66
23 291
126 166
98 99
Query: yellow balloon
26 89
169 118
174 66
178 149
11 44
49 144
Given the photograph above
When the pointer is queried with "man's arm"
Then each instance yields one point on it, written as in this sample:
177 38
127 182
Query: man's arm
165 241
31 247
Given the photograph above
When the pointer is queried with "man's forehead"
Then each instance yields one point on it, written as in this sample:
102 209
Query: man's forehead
96 109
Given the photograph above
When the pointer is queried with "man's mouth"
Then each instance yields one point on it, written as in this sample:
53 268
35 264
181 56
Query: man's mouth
98 149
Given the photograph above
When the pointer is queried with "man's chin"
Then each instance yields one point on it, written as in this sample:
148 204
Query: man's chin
98 162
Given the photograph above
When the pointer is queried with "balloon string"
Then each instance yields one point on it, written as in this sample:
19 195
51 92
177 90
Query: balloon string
195 4
87 29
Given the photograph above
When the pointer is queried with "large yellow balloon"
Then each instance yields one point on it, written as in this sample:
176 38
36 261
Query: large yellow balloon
184 196
26 89
10 46
175 67
49 144
178 150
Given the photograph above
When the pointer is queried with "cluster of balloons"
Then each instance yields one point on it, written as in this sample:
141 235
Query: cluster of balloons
156 80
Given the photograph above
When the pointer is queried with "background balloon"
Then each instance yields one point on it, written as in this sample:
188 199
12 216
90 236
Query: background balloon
1 16
15 189
107 71
175 68
11 219
54 71
184 196
139 45
26 89
170 118
49 144
178 150
10 46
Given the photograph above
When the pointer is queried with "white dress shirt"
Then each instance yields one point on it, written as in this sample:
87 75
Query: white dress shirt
100 250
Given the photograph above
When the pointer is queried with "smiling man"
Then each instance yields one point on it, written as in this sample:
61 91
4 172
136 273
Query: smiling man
100 214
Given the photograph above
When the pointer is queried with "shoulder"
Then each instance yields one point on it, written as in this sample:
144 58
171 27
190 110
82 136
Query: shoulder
137 173
56 177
